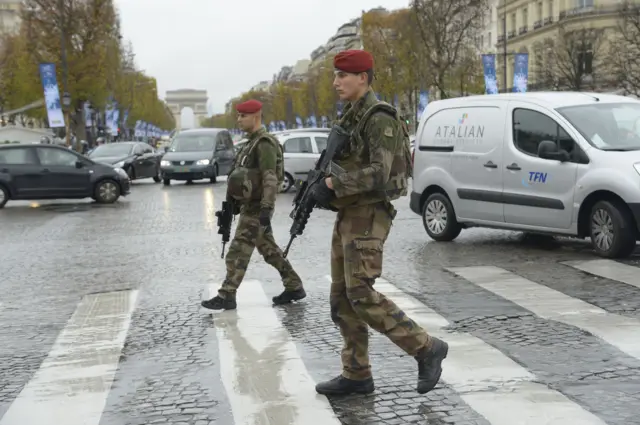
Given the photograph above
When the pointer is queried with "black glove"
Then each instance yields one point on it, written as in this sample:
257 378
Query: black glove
265 217
234 204
323 195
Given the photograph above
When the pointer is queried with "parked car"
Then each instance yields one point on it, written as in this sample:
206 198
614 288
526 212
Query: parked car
197 154
138 159
36 172
559 163
302 149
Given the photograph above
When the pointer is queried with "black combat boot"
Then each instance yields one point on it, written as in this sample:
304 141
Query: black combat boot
343 386
219 303
430 365
287 296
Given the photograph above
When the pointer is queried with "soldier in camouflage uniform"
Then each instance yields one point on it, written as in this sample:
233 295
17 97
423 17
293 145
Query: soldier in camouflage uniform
253 185
377 164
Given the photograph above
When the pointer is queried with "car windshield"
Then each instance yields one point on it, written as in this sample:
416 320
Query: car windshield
193 143
112 149
607 126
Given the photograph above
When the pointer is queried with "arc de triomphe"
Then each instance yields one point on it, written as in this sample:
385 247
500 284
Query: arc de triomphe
194 99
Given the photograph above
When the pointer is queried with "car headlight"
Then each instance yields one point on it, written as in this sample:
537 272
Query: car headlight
203 162
118 164
122 173
164 163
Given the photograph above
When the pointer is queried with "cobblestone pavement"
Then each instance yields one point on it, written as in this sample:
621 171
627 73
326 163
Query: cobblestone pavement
100 323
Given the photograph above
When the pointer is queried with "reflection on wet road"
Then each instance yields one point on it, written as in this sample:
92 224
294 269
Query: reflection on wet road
101 324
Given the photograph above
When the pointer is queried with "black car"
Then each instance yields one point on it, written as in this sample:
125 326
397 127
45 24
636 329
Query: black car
138 159
33 172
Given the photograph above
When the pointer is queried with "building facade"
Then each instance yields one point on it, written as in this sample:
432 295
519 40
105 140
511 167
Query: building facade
535 27
10 16
489 36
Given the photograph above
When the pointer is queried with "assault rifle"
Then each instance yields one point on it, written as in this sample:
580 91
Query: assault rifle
225 218
303 201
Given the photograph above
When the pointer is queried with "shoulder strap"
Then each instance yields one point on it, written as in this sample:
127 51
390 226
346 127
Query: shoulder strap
379 106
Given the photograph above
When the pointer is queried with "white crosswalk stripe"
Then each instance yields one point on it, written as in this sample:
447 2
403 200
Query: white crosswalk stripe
609 269
488 381
619 331
267 382
262 371
73 382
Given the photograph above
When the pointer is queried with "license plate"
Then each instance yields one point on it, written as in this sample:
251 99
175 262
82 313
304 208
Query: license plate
183 169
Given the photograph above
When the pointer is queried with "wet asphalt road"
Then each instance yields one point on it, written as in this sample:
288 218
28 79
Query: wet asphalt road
180 365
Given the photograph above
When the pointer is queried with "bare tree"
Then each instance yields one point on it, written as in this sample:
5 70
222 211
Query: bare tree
572 60
625 49
446 29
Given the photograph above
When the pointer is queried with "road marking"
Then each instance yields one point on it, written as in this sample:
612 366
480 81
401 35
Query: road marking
265 379
487 380
619 331
73 382
609 269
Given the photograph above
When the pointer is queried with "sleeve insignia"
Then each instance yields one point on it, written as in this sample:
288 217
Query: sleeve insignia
388 131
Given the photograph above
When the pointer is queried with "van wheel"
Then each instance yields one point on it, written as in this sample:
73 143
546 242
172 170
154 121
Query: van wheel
439 218
612 230
4 196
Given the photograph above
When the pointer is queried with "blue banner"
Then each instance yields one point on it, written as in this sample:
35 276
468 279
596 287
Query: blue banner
423 101
51 95
520 72
88 122
490 79
115 121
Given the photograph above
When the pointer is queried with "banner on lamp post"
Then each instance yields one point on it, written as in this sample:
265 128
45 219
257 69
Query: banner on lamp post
51 95
520 72
490 78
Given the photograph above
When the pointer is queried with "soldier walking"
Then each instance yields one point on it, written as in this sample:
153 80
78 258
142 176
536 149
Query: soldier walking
252 185
377 162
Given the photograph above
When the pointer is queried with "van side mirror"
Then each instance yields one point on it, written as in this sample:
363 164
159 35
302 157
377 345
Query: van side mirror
549 150
166 148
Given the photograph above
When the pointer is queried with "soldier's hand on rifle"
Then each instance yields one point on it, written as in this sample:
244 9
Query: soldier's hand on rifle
235 204
323 195
265 217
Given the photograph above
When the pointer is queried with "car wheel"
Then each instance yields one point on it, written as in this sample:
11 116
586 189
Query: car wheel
287 184
167 182
439 218
215 174
612 230
4 196
107 192
158 177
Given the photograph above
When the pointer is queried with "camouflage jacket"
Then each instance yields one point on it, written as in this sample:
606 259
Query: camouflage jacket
374 162
253 177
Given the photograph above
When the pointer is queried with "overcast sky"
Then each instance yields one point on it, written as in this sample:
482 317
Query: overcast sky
227 46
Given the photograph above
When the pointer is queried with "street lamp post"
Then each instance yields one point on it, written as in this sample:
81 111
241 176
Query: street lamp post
66 97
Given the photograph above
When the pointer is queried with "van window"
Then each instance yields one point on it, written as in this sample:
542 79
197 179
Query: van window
531 127
607 126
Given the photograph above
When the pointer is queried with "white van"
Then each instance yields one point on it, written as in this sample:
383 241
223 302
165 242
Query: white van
560 163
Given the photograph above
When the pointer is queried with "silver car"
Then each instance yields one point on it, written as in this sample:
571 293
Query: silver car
302 148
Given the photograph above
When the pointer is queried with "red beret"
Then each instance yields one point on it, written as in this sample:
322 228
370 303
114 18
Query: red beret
353 61
249 107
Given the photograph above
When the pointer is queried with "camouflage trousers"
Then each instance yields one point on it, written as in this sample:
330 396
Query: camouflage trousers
356 261
249 235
